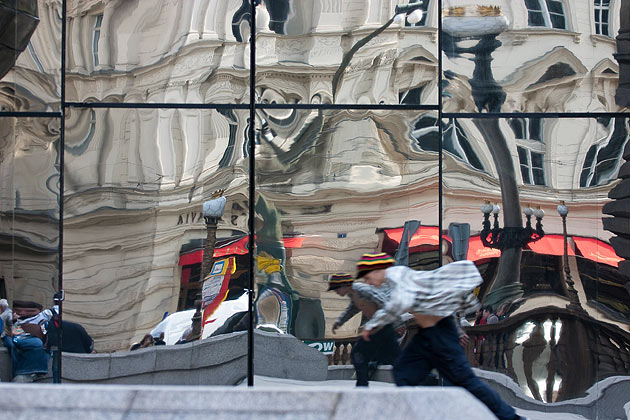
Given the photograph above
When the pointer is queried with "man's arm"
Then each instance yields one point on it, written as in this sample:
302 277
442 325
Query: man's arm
350 311
377 295
386 315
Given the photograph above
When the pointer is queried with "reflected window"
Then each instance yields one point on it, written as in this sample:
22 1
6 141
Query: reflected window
455 140
602 13
96 36
605 289
528 133
532 166
603 158
541 274
546 13
527 128
189 286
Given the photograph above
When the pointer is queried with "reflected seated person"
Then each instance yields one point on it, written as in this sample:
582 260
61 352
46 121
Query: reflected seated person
26 341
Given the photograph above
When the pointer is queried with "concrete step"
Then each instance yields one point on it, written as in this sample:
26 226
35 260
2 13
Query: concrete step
131 402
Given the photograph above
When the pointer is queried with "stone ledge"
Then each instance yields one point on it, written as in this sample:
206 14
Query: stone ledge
161 402
220 360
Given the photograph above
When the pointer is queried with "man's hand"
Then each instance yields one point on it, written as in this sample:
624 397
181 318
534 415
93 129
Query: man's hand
365 335
335 327
401 330
463 340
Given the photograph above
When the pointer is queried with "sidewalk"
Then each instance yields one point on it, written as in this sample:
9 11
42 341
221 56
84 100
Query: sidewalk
262 382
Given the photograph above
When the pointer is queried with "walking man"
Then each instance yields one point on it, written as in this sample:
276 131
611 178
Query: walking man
432 297
383 347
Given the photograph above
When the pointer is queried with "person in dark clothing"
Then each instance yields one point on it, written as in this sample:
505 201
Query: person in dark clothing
159 341
383 348
433 297
74 338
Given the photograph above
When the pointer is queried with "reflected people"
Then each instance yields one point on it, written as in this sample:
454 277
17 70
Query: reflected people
383 347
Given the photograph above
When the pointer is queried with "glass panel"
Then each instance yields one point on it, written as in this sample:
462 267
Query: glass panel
139 185
537 160
557 21
30 53
563 307
539 175
29 239
533 4
335 52
332 186
496 62
609 276
152 51
555 7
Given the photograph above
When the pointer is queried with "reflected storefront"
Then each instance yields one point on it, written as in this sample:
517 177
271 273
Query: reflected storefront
566 306
179 180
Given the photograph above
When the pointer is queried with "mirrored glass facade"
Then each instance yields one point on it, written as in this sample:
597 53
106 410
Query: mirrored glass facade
178 190
155 51
31 56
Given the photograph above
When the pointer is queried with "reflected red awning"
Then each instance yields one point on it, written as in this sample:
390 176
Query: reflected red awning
294 242
597 250
425 235
234 248
550 245
192 258
477 251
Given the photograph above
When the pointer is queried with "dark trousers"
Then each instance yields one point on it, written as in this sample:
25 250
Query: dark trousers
382 349
438 347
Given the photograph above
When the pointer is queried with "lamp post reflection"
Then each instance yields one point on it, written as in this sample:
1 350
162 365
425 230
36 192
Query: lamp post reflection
212 213
412 12
20 19
510 236
485 23
574 299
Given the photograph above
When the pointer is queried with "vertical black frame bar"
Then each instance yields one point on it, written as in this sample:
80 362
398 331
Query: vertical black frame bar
440 132
252 192
58 297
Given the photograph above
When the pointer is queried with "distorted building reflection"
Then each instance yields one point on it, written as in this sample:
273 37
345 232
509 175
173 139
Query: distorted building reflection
331 183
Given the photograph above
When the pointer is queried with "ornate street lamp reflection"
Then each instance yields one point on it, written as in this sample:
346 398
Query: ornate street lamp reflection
510 236
477 22
19 20
212 213
563 211
485 23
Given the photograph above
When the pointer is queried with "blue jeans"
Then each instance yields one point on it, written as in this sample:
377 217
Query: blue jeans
438 347
28 355
382 349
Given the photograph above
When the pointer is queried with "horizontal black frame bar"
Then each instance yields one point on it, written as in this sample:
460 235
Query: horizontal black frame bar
36 114
246 106
535 115
145 105
55 114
